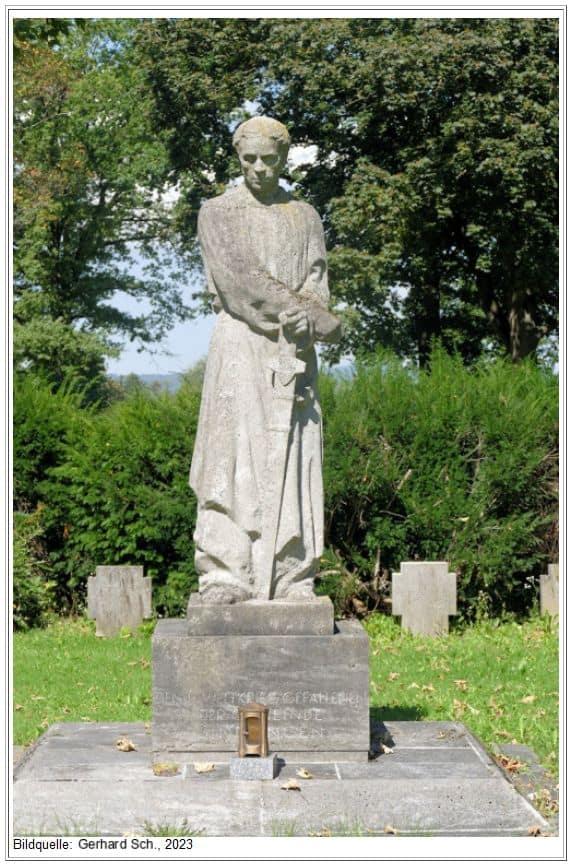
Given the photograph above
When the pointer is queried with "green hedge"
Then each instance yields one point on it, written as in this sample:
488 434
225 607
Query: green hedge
449 464
446 464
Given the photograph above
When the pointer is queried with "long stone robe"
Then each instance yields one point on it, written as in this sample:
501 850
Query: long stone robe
259 260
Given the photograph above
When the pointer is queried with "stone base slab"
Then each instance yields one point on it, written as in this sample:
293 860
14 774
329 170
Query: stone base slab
316 688
254 768
438 781
261 618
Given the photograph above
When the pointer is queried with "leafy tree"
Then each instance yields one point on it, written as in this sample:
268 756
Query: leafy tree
89 194
436 168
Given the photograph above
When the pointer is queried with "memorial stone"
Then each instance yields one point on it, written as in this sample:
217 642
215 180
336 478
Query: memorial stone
117 597
424 593
256 632
549 591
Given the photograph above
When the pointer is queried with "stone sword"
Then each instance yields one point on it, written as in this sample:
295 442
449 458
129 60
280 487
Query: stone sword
285 366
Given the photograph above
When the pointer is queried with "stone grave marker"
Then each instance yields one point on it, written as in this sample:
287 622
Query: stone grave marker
424 593
549 591
118 596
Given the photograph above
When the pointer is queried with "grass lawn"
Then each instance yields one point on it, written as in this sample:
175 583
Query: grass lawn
501 680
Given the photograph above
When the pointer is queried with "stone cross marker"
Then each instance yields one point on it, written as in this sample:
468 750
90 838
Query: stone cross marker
424 593
118 596
549 591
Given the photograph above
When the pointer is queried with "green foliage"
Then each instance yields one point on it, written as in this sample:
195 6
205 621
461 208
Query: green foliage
42 421
58 353
445 464
89 198
436 169
121 495
32 593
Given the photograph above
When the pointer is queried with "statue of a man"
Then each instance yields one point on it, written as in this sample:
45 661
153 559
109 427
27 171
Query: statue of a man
257 463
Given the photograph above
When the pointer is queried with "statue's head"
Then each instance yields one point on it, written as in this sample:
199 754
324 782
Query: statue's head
262 147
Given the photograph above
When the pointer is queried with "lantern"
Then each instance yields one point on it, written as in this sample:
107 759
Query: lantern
253 730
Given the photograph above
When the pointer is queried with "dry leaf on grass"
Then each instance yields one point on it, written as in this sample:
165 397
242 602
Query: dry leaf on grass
18 707
385 748
291 784
37 698
528 699
389 830
203 768
304 773
393 676
125 744
460 683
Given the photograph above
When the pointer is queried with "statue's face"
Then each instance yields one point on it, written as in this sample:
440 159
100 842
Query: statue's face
261 163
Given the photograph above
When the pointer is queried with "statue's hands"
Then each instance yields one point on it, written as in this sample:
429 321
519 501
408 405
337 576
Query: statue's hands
298 326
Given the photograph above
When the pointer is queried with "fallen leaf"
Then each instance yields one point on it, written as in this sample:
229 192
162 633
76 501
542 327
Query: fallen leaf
37 698
165 770
18 707
534 832
124 744
203 768
291 784
413 686
511 764
393 676
460 683
459 707
528 699
304 773
428 688
389 830
385 748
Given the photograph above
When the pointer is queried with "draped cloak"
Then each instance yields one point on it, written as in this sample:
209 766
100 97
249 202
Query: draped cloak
259 259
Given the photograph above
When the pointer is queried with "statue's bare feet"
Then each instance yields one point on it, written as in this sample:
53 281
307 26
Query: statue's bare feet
223 592
299 591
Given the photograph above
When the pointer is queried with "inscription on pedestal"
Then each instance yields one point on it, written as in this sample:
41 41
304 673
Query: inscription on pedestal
316 689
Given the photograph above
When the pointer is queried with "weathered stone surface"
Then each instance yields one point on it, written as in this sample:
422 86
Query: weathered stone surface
257 461
417 792
549 591
424 593
254 768
261 617
316 688
118 596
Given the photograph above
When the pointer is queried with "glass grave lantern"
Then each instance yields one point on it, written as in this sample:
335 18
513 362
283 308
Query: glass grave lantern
253 730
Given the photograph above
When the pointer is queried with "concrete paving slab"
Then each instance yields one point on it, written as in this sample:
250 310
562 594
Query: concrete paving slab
439 780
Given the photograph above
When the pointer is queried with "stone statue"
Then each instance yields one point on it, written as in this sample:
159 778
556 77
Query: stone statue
257 463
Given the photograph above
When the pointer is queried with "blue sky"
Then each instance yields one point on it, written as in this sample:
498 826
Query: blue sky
184 346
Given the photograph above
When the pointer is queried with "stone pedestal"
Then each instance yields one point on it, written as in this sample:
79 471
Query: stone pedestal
315 685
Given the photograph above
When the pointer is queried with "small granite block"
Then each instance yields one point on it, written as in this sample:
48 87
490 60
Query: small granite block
316 689
254 768
261 618
118 596
549 585
424 593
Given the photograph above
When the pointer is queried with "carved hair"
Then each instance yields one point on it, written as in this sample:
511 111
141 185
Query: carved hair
266 127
